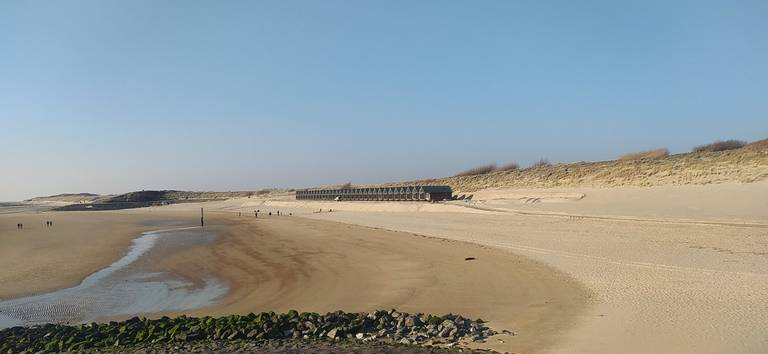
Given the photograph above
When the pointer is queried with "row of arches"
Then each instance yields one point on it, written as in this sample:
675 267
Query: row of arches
408 193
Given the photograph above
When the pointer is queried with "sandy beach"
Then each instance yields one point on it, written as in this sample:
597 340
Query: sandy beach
519 176
679 281
40 259
289 262
570 270
283 263
672 269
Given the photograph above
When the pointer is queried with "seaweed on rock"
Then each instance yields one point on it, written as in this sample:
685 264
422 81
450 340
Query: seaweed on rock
389 326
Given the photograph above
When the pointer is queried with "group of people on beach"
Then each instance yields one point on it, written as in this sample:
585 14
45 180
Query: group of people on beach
257 211
20 226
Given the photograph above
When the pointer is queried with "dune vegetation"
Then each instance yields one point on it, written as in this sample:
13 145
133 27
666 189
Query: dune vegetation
645 155
721 162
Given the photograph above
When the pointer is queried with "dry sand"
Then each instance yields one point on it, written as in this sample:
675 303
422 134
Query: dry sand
674 269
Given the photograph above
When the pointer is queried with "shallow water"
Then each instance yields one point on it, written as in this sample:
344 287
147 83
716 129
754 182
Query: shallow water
126 287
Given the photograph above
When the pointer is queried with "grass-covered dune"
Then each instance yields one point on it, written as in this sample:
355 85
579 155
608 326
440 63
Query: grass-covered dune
148 198
380 326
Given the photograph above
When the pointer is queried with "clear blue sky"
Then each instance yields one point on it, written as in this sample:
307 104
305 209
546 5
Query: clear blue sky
107 96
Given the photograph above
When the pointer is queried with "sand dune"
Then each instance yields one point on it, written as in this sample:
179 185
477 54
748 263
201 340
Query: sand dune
733 166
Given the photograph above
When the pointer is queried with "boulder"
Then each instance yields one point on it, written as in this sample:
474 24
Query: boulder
333 333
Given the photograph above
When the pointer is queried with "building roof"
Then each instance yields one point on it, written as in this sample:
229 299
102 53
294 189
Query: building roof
426 189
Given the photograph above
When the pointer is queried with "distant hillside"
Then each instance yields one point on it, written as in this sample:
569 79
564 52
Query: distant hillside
742 165
151 198
67 198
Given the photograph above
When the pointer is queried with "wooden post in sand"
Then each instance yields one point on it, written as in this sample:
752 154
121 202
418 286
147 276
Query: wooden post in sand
202 223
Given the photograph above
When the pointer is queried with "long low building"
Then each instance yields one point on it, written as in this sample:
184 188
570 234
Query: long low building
414 193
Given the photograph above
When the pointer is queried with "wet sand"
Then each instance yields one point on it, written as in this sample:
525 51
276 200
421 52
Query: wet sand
283 263
41 259
129 286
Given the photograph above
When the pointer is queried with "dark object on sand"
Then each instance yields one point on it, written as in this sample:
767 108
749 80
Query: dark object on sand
470 259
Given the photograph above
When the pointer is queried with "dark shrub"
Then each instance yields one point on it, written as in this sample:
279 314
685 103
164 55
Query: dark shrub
480 170
509 167
760 144
541 163
720 146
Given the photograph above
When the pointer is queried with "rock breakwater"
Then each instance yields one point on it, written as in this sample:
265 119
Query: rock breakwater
380 326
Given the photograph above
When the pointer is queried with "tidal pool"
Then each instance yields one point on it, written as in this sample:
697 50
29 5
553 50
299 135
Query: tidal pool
124 288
